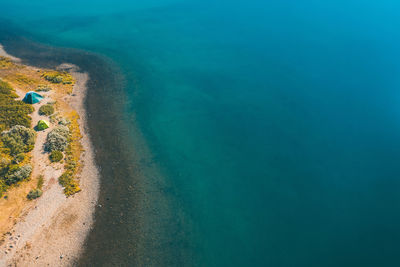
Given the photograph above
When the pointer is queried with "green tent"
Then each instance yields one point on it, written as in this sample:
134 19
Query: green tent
42 124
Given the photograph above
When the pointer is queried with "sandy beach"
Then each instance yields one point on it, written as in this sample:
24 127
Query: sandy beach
52 229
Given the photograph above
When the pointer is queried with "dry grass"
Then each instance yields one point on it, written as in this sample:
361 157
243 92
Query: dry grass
15 203
6 63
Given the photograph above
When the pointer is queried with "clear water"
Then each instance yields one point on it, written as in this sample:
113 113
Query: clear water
275 124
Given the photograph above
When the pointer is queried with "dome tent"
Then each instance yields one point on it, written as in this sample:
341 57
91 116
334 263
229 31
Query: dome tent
42 125
32 98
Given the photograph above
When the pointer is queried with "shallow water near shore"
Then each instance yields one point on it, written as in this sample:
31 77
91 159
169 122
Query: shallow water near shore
234 134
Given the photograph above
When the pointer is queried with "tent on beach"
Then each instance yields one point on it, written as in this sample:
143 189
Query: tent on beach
32 98
42 125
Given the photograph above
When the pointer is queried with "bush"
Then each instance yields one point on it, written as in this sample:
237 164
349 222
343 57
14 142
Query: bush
19 139
53 77
17 174
62 130
4 167
35 193
65 178
68 182
40 181
43 88
19 158
12 112
58 77
64 121
56 156
46 110
57 139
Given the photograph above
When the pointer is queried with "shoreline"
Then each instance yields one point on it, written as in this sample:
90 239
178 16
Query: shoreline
135 213
54 230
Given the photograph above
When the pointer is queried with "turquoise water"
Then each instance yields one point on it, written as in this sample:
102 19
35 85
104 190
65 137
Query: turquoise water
273 126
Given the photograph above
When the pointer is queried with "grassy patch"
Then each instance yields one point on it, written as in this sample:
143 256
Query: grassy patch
46 110
6 63
40 181
73 152
34 194
58 77
43 88
15 142
56 156
12 112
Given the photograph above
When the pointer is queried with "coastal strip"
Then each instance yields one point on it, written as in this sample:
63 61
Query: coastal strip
52 231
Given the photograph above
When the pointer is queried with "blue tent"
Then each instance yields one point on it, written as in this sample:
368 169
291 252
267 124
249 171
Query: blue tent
32 98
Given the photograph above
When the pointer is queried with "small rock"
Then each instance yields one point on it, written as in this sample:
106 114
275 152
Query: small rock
61 256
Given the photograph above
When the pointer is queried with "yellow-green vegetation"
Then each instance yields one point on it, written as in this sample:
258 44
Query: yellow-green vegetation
34 194
57 139
40 182
25 80
46 110
12 174
56 156
37 192
43 88
6 63
16 138
73 152
58 77
12 112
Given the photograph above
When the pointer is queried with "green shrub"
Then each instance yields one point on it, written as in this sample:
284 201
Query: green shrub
19 139
65 178
58 77
55 141
43 88
3 187
54 78
17 174
56 156
62 130
12 112
40 181
64 121
69 183
4 167
46 110
19 158
35 193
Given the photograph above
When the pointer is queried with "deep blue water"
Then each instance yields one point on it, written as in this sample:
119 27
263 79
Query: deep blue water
275 125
